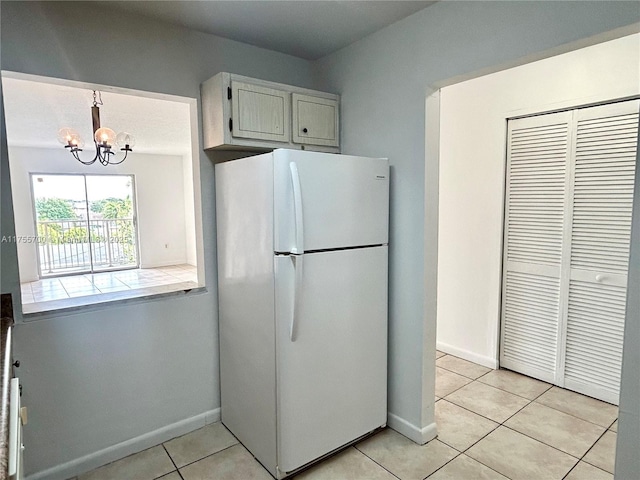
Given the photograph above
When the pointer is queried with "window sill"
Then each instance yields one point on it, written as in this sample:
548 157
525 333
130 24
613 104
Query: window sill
32 311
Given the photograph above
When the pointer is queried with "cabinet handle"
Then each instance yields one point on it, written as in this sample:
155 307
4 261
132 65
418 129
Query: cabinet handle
304 130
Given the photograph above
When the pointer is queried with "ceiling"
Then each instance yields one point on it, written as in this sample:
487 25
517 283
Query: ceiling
35 111
306 29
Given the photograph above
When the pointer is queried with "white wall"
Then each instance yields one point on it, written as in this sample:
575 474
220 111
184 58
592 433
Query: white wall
189 211
106 381
627 458
383 80
472 174
160 202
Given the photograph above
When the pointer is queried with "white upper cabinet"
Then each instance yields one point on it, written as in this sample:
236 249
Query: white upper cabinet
259 112
315 120
241 113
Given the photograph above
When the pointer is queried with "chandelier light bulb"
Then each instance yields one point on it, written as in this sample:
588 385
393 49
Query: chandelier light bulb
76 141
105 137
125 140
66 136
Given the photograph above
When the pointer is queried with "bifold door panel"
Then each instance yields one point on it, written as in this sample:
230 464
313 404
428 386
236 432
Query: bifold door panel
570 179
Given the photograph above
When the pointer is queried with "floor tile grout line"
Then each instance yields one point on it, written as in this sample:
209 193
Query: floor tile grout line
462 453
571 414
379 464
468 410
493 386
458 373
454 391
489 370
212 454
484 416
544 443
169 455
596 466
591 448
585 454
517 394
446 463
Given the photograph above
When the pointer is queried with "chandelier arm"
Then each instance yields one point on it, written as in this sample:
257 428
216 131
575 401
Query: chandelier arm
76 155
126 152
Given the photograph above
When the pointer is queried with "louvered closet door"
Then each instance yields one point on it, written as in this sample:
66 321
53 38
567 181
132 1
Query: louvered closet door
537 155
604 166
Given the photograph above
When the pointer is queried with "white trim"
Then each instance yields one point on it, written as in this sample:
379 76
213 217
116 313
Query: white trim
402 426
128 447
485 361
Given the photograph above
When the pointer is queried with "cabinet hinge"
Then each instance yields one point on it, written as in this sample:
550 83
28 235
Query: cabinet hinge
228 93
231 124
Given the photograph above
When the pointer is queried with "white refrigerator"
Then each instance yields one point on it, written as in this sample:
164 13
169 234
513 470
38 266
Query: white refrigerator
302 290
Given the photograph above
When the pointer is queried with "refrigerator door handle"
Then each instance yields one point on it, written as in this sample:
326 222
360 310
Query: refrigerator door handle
297 208
297 293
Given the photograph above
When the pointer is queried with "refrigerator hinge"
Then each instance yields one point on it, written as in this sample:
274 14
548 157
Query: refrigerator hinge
228 93
231 124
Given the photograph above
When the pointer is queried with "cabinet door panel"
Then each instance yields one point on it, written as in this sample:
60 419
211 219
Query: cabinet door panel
315 120
259 112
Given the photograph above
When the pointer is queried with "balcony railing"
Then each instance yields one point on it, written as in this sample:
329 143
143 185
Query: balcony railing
86 245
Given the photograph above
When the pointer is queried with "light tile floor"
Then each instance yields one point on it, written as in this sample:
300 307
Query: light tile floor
492 424
73 290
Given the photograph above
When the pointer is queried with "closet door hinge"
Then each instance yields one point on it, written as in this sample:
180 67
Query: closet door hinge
231 124
228 93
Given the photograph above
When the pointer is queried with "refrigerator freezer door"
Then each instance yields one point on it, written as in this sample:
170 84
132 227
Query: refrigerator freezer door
332 378
344 201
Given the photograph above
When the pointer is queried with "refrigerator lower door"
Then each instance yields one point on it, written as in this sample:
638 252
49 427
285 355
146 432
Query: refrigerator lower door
332 377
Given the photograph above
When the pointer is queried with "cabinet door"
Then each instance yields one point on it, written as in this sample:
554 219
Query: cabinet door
259 112
315 120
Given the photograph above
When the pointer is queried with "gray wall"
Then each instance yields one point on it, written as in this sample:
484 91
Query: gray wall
628 447
383 80
102 376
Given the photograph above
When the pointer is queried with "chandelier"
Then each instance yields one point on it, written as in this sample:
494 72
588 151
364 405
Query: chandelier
104 139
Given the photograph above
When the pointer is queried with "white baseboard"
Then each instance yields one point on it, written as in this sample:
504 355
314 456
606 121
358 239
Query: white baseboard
418 435
467 355
128 447
164 263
